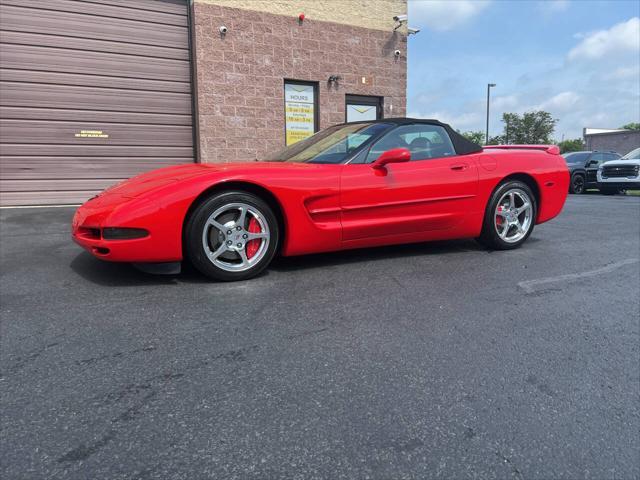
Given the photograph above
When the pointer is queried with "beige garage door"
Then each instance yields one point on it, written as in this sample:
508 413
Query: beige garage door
91 92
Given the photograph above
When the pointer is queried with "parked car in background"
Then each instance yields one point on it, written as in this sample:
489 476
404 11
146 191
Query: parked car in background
583 167
621 174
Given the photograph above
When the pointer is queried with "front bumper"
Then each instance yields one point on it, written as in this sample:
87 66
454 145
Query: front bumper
89 236
619 182
162 244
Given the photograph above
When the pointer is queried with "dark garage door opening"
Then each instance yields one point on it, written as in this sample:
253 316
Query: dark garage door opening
90 93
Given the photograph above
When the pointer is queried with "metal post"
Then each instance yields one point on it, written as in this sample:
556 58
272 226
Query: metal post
489 85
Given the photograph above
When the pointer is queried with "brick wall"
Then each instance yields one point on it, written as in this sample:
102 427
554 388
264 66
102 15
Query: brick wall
240 77
360 13
621 142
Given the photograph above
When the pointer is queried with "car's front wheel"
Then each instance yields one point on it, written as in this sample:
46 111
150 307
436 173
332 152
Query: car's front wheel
232 236
577 184
509 217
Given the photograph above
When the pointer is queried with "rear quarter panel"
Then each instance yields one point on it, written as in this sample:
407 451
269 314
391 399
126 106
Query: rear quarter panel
548 171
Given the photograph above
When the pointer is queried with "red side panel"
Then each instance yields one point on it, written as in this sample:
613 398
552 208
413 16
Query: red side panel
159 202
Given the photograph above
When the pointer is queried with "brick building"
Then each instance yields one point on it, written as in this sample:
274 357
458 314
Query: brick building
620 141
94 92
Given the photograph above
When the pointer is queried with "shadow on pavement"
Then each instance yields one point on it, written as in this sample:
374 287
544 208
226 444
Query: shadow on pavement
344 257
110 274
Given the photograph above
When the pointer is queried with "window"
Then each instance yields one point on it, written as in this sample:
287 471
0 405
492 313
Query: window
360 108
576 157
595 160
632 155
300 110
424 141
332 145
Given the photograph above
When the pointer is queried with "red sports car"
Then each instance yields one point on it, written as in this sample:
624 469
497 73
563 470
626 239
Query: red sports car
349 186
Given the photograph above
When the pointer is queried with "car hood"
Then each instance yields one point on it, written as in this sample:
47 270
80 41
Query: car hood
146 182
620 163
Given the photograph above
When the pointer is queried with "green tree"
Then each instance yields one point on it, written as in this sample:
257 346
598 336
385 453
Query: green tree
574 145
497 140
631 126
528 128
475 137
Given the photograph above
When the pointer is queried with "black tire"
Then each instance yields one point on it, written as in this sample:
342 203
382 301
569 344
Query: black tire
609 191
577 184
197 229
490 236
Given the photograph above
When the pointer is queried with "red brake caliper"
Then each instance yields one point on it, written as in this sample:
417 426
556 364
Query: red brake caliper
253 245
499 218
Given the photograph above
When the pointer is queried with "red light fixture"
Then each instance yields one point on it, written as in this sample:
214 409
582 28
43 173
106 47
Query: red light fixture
301 18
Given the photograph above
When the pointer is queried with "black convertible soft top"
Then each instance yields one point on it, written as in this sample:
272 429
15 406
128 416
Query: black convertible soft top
462 145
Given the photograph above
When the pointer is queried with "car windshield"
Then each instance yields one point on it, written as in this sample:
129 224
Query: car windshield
332 145
576 157
632 155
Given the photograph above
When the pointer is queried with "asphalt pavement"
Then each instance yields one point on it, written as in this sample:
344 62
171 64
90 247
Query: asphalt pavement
440 360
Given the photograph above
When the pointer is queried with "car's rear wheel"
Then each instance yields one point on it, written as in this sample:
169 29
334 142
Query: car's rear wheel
509 217
232 236
577 184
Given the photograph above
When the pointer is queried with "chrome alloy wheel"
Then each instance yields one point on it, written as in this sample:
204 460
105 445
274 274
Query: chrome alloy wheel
236 237
514 215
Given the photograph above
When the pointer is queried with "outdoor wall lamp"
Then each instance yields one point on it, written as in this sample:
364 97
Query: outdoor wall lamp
335 78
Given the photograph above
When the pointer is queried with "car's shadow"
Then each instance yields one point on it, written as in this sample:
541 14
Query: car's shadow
344 257
111 274
122 274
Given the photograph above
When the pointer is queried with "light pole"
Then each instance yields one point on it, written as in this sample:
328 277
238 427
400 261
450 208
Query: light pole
489 85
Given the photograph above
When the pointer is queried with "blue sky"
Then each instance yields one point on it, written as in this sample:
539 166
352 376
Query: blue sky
579 60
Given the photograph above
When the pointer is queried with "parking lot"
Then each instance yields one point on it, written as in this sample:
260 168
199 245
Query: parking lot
431 360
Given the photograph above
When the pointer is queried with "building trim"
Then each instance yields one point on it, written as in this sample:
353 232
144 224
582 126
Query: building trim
620 132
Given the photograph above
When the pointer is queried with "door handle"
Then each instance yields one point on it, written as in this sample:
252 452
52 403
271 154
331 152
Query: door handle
459 166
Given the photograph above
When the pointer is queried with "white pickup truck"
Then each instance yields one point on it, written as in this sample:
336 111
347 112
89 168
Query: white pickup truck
622 174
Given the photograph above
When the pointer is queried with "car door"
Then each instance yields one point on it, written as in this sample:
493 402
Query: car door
432 192
592 166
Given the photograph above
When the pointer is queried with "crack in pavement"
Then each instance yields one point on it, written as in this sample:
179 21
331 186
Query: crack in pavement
152 386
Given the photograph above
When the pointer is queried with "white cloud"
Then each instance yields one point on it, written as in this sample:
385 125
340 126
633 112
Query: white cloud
621 38
560 103
442 15
505 102
622 73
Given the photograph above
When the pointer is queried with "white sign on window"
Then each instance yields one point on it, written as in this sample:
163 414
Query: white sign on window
359 113
299 107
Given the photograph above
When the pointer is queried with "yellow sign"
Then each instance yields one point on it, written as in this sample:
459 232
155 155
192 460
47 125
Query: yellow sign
299 108
91 134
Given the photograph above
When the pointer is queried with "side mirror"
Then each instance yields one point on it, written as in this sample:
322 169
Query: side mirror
395 155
